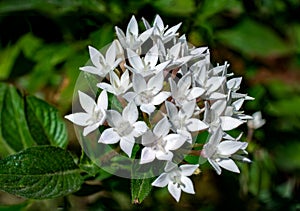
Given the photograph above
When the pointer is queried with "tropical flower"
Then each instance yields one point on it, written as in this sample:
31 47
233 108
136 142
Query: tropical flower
94 115
219 153
145 66
132 39
124 128
102 66
147 95
177 179
117 86
182 93
182 121
158 142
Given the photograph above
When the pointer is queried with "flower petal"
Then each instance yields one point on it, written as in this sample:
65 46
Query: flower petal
80 118
188 186
147 155
147 108
109 136
160 97
151 56
86 102
161 181
110 55
164 155
229 165
102 101
114 118
174 141
140 128
195 92
95 56
130 113
162 128
126 144
132 27
148 138
174 190
91 69
229 123
90 128
139 83
171 110
231 147
194 124
215 165
107 87
188 169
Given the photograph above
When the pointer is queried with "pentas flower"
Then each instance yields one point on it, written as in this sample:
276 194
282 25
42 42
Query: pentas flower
148 65
94 115
257 121
147 94
182 121
219 153
161 31
159 142
124 128
182 93
133 39
117 85
102 65
176 178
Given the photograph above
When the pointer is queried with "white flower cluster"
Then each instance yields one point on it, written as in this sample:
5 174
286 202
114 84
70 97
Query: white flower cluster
170 93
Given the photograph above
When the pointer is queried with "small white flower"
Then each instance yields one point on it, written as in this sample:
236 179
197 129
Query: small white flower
148 65
257 121
159 143
161 31
177 179
124 128
117 86
94 114
132 39
182 121
219 153
182 93
147 95
102 66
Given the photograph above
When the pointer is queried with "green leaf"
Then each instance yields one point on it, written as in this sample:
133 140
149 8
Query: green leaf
254 39
140 188
45 124
15 134
175 7
87 165
41 172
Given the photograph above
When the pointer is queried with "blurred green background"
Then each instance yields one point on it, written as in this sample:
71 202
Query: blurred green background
43 43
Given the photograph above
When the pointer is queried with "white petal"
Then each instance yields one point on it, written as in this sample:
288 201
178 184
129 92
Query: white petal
214 83
158 22
173 29
174 190
151 56
195 92
109 136
238 104
135 61
229 123
139 83
160 67
107 87
164 155
174 141
95 56
160 97
110 55
161 181
114 118
86 102
187 169
162 128
219 106
188 185
147 108
217 96
139 128
145 35
148 138
130 113
147 155
102 101
129 96
185 82
194 124
234 83
91 69
90 128
231 147
187 109
171 109
229 165
125 78
215 165
126 144
80 118
156 82
132 27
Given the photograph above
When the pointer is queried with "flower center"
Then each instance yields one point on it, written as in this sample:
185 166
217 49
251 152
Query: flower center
125 128
159 145
146 97
98 116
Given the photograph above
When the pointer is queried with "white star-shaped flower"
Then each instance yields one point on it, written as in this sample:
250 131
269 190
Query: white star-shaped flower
177 179
158 142
148 65
124 128
257 121
219 153
147 95
182 121
102 66
182 93
133 39
94 114
117 85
